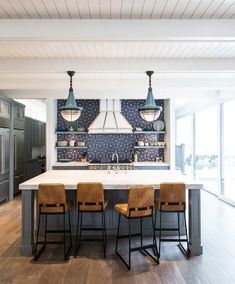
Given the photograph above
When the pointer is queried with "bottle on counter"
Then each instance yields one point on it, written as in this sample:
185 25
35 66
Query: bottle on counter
135 157
84 158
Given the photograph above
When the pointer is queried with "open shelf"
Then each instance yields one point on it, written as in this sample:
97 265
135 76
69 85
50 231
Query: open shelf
71 147
149 132
148 147
71 132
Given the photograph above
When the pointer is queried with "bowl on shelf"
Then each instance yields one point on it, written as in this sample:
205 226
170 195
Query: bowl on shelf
81 144
140 143
81 129
62 143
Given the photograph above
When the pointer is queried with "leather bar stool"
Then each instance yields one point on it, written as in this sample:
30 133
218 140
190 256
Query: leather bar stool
52 201
172 200
140 205
90 198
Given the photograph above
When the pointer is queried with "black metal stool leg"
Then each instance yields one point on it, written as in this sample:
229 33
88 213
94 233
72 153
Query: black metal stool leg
45 232
104 233
155 249
70 233
64 236
141 232
178 219
129 230
76 236
160 233
119 217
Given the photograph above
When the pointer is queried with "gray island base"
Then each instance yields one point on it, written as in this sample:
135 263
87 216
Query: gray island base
116 191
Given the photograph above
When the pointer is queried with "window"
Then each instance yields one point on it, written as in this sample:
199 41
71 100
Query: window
184 143
206 148
229 150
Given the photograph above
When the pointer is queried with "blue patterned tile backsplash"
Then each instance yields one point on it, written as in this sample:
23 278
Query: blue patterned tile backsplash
101 146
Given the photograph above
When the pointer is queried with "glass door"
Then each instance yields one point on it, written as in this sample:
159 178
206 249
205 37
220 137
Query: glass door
229 151
207 148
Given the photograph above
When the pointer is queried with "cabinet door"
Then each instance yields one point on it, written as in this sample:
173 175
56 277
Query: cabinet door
4 109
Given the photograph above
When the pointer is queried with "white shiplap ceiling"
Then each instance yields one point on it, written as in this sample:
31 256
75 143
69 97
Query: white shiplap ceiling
121 49
117 9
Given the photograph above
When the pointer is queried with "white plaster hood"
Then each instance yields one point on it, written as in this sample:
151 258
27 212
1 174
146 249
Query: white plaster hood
110 119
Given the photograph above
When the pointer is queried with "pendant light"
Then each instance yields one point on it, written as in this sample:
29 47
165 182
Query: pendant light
150 111
71 112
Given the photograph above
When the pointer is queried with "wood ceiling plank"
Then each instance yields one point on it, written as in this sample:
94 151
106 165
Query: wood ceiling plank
190 9
73 9
169 9
127 6
51 9
29 7
137 11
19 8
116 8
9 9
105 9
229 12
201 9
211 9
84 9
148 9
3 13
159 9
95 9
62 9
41 9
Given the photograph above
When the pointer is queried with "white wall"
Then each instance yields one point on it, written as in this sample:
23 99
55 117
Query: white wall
34 108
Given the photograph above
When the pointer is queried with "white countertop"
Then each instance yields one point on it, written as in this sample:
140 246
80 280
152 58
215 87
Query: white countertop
136 164
121 180
70 164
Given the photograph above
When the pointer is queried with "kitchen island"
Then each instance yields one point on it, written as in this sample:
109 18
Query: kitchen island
116 186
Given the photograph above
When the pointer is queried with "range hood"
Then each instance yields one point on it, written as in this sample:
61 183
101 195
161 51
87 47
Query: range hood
110 119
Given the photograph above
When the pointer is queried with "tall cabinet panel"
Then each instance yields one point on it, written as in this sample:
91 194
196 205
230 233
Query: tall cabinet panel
19 121
4 148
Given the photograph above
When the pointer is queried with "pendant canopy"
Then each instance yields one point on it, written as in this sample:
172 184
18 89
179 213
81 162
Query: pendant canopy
150 111
71 112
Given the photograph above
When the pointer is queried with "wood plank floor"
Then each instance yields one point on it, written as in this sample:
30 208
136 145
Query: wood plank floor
216 265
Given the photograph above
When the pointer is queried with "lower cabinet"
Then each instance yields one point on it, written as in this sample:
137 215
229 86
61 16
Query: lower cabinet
17 180
32 169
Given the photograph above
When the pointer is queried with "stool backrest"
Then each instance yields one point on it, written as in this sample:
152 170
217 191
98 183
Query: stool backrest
140 201
173 195
52 197
90 196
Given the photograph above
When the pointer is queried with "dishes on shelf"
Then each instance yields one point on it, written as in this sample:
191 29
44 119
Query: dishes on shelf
159 125
62 143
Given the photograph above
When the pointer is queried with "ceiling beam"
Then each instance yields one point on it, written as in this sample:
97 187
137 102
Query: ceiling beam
116 30
211 65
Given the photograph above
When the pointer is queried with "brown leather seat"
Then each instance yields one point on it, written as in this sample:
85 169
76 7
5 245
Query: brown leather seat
140 202
52 200
172 199
140 205
171 193
90 196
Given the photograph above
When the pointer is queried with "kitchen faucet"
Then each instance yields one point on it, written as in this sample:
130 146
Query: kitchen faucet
113 156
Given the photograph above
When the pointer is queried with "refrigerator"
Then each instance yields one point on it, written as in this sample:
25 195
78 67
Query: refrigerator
4 163
18 159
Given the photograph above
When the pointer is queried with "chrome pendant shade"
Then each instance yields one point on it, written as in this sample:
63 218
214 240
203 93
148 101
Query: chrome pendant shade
71 112
150 111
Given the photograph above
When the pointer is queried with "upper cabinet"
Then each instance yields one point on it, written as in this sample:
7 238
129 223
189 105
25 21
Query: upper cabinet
18 115
4 108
